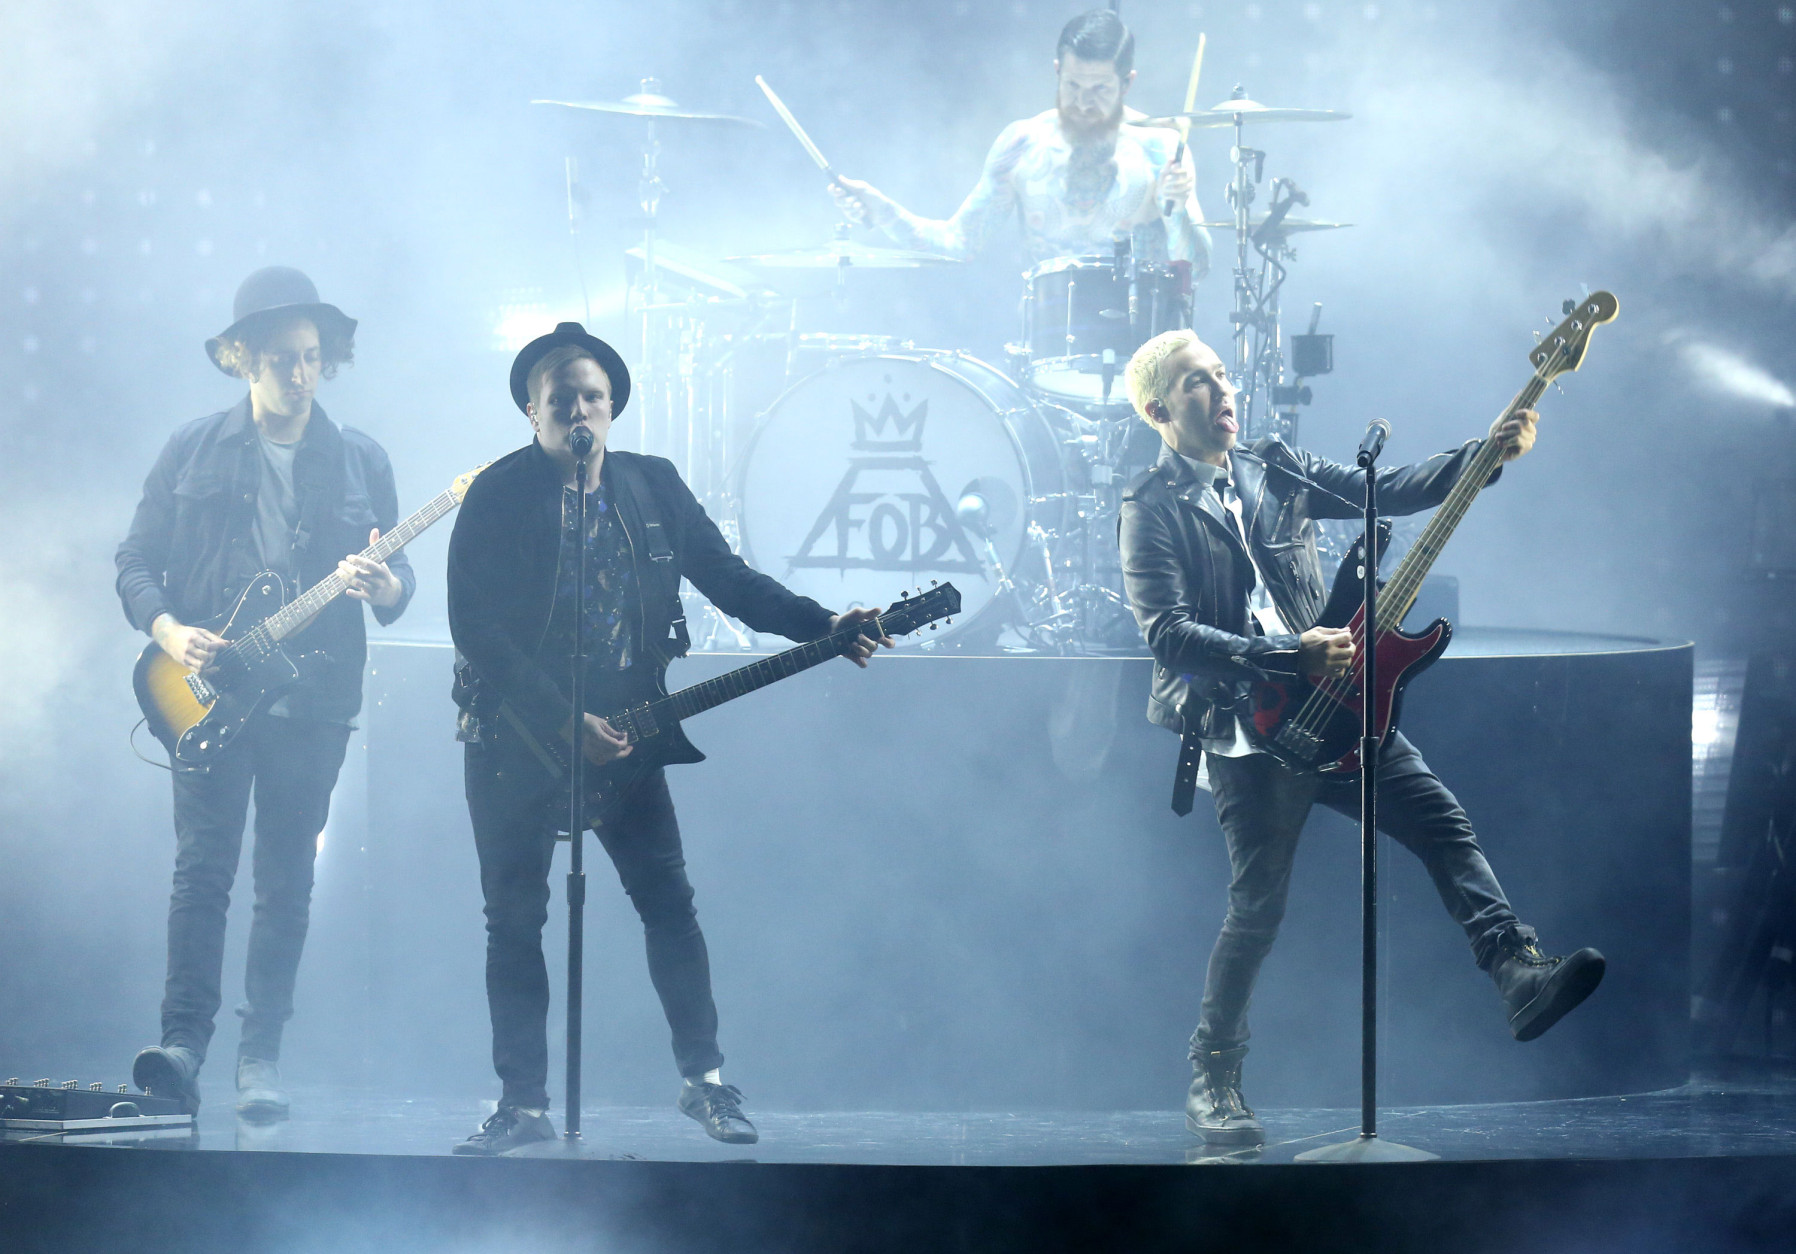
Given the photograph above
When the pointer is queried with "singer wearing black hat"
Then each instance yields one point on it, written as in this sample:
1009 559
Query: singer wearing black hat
268 484
512 564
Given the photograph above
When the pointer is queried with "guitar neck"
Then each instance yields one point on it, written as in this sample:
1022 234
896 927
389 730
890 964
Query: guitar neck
740 682
301 610
1399 594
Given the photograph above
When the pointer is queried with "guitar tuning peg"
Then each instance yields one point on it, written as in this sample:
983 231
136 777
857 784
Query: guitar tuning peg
1537 337
1568 306
933 582
932 626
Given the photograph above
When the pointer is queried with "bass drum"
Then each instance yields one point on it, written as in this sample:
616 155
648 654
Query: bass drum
883 472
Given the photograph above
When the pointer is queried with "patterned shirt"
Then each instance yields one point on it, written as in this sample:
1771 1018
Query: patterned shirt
612 597
1069 201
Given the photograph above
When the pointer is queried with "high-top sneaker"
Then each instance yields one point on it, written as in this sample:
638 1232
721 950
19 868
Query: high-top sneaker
260 1097
1215 1108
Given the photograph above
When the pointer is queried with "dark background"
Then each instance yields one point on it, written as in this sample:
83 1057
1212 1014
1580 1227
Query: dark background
1502 156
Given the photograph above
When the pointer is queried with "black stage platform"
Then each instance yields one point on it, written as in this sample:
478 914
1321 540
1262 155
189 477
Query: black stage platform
1706 1167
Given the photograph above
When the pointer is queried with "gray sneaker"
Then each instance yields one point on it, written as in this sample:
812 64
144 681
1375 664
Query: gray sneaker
260 1097
170 1071
507 1129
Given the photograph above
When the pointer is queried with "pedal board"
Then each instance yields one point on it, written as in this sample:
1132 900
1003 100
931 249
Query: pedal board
46 1108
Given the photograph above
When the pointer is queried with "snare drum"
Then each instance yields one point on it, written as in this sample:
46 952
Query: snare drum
857 483
1080 317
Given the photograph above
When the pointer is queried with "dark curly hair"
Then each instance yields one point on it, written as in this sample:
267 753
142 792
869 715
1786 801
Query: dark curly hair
240 355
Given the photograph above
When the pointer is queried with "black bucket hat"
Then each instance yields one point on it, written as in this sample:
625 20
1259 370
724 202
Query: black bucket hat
571 333
271 292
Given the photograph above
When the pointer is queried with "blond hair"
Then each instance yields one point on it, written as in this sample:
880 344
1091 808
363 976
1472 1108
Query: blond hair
554 360
1146 374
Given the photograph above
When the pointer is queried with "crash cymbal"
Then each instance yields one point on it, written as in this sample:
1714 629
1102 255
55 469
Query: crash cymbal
646 104
1290 226
839 253
1251 112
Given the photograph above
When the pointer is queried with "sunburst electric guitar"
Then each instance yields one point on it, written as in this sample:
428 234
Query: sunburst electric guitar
1314 724
198 715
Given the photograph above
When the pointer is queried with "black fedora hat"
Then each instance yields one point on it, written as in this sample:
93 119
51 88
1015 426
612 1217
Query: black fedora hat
272 292
571 333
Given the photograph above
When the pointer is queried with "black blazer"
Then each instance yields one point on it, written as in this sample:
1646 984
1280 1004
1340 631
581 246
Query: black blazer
1188 575
502 575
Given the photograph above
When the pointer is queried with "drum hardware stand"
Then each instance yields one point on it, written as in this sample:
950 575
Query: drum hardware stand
576 195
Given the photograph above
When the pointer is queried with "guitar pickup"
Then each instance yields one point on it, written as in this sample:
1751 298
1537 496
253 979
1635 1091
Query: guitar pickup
641 723
201 690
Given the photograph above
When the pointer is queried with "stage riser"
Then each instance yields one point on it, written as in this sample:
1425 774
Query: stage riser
955 883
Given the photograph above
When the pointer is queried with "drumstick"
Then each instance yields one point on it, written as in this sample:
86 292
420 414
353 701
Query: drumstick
1197 69
779 107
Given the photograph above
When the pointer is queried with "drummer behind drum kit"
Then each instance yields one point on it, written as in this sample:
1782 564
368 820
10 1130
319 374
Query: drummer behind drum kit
879 464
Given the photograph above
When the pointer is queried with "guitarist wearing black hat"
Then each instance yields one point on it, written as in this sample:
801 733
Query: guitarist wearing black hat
512 564
270 484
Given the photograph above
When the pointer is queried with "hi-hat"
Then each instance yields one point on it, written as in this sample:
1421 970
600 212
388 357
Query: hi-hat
645 104
1288 226
840 253
1250 112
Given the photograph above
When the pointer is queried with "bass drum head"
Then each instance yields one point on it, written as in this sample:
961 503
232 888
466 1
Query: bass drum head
850 488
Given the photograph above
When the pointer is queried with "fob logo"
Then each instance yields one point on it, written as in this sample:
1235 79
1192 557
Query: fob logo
888 512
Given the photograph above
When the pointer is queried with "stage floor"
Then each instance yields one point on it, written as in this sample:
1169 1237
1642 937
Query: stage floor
1703 1119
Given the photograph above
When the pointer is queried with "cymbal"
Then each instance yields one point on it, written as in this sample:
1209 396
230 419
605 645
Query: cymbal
1290 226
1251 112
843 252
649 105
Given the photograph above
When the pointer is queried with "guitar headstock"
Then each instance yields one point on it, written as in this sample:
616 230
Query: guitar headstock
911 613
1563 350
462 483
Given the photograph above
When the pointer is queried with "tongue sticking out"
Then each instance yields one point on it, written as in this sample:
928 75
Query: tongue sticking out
1227 423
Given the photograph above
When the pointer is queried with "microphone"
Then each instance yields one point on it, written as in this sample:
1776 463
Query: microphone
579 441
1373 442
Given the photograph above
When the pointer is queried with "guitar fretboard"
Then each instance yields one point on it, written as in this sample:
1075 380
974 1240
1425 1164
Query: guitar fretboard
712 693
1399 594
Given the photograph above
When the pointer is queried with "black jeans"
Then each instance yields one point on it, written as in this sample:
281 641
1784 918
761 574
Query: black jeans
291 764
1262 808
514 833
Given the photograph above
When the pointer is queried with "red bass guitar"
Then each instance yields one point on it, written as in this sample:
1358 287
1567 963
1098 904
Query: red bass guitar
1314 723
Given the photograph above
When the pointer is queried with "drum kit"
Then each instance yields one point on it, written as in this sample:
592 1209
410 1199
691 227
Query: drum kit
848 465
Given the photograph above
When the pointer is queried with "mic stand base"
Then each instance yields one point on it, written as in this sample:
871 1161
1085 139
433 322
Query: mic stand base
1366 1149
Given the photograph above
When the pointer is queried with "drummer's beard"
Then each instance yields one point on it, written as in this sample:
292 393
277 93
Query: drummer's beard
1082 132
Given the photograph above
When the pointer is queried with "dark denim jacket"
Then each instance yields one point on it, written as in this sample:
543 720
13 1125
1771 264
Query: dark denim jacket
192 546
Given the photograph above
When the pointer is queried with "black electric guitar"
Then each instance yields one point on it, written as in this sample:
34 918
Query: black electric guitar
1313 724
650 717
197 715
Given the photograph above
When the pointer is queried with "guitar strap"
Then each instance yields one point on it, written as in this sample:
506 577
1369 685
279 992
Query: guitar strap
1184 779
661 579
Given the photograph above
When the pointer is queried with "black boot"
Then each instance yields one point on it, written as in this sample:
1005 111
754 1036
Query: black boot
170 1071
1215 1108
1538 990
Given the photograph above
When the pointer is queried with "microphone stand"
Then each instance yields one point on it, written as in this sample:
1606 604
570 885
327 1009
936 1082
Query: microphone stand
1367 1147
576 823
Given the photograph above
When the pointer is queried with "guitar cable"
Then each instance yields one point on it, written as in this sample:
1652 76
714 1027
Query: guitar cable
132 738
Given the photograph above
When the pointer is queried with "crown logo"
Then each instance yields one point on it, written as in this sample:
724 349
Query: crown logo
891 430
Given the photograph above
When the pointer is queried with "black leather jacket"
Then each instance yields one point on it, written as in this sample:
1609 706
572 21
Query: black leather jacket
1188 575
192 545
502 559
